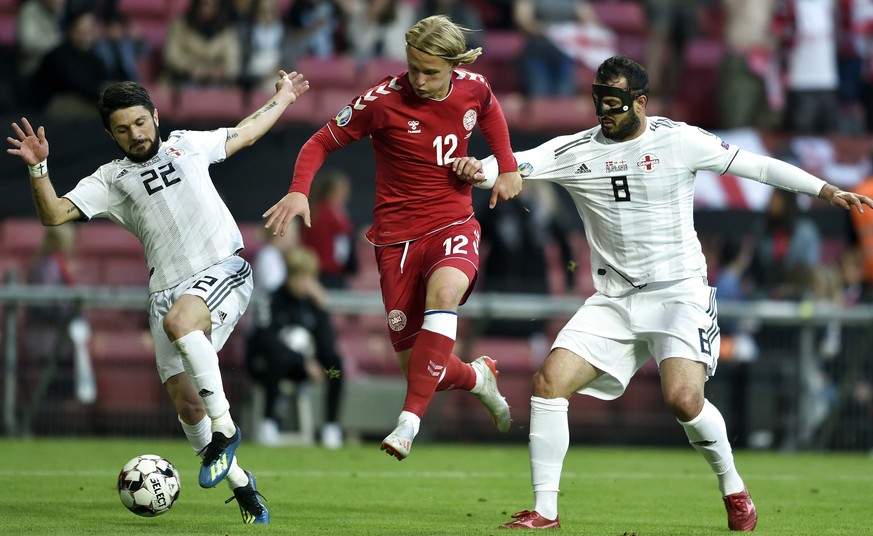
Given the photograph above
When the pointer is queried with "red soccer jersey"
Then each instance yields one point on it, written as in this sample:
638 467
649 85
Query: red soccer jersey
415 141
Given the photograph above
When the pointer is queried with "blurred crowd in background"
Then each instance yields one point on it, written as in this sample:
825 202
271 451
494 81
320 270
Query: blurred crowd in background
798 65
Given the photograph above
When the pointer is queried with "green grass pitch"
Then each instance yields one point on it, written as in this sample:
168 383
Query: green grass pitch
67 487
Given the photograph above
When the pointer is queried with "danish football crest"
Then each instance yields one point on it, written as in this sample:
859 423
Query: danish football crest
396 320
470 119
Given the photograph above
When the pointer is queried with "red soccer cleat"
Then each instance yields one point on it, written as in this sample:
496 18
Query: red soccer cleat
740 510
531 520
489 396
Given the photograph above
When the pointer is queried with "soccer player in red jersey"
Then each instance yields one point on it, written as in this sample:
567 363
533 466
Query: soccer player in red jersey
425 234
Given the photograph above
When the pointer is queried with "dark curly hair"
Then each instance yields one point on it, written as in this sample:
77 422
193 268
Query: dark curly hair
123 95
623 67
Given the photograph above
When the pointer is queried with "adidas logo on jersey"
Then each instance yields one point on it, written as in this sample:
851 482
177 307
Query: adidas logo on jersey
582 169
221 316
205 392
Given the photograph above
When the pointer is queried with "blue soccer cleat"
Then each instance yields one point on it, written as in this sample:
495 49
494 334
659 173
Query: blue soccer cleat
217 457
250 506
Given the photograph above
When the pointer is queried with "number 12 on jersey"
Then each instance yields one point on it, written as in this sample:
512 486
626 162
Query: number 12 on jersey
445 149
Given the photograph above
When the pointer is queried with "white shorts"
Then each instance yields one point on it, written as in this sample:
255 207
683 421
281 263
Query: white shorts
226 288
663 320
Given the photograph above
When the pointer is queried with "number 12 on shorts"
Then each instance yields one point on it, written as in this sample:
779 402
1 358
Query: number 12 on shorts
457 245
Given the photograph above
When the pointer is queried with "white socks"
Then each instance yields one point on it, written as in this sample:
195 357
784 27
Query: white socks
201 365
199 435
549 439
236 477
707 433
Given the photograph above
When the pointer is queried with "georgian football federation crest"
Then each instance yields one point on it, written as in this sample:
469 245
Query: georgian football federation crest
470 119
175 151
648 162
396 320
343 117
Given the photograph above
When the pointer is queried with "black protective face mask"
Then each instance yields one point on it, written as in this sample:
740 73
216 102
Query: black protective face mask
626 96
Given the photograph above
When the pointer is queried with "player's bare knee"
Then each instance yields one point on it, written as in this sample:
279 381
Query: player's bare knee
444 297
684 403
173 325
177 324
545 386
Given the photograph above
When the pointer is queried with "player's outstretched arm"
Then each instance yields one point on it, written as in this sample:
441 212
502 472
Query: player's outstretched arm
288 88
33 148
280 215
789 177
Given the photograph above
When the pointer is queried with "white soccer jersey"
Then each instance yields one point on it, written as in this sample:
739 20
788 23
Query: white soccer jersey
635 198
169 203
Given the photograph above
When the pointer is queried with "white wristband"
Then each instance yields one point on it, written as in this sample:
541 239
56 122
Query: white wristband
39 170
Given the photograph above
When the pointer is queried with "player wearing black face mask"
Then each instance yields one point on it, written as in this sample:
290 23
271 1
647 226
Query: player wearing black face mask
632 179
614 106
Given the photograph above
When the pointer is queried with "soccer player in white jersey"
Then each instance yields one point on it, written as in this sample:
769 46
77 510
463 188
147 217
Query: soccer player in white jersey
199 287
632 180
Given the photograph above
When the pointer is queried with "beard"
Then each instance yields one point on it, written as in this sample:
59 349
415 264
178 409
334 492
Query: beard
623 130
153 146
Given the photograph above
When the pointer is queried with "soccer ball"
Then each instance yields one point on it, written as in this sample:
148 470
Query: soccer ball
148 485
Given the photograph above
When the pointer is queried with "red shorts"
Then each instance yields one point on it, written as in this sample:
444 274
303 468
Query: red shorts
405 268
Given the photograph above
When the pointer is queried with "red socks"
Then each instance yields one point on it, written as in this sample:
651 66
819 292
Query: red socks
433 367
459 375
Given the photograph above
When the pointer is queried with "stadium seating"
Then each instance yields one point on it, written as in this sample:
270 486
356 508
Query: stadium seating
558 114
513 355
498 63
295 114
338 72
20 239
211 104
501 47
21 236
694 97
105 238
367 352
622 16
124 363
376 69
513 106
153 30
331 101
164 100
125 272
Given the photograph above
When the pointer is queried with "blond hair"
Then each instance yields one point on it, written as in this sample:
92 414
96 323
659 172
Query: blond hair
439 36
301 261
